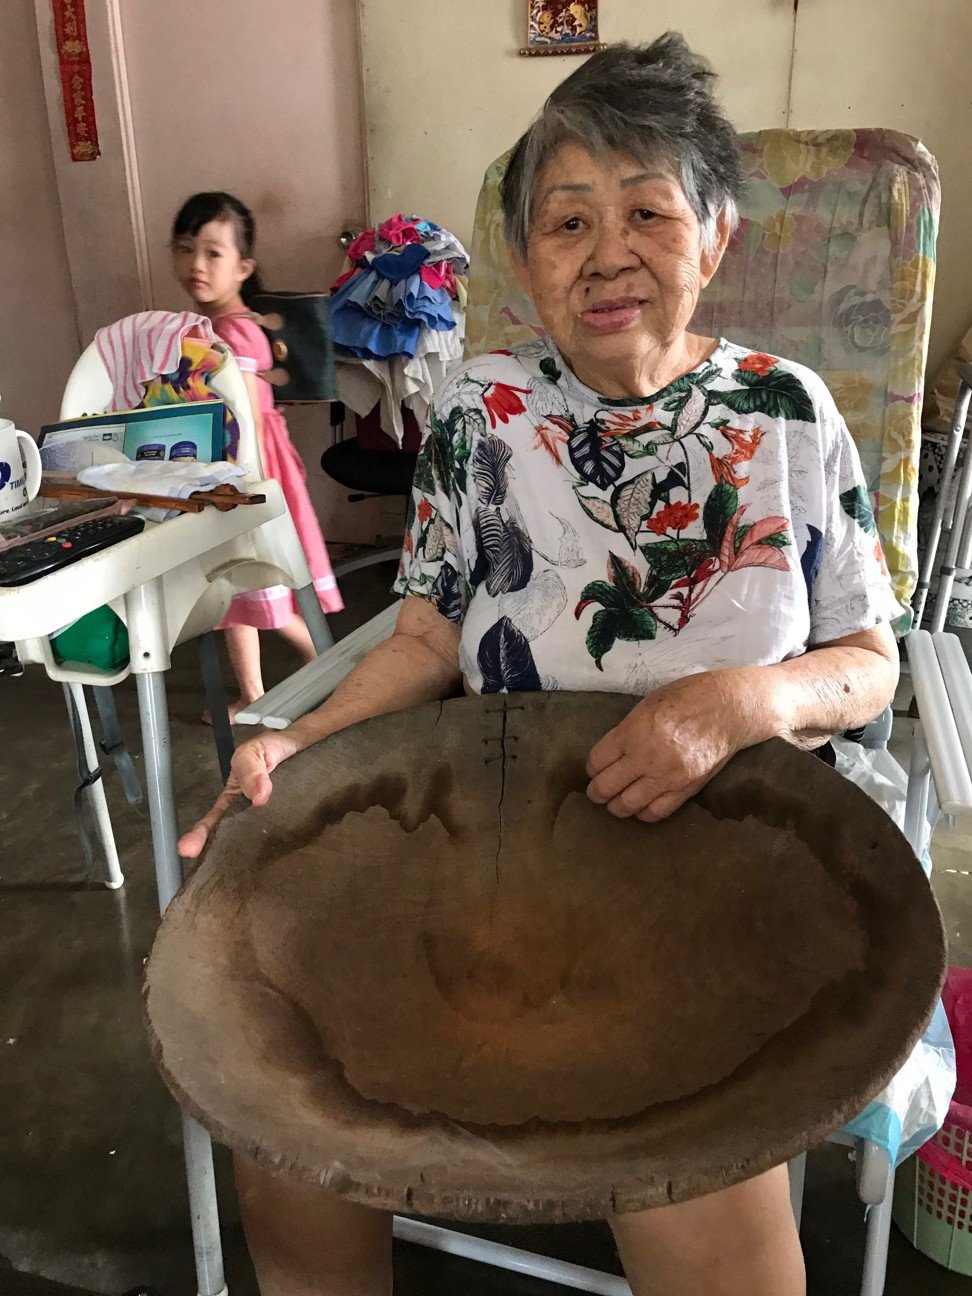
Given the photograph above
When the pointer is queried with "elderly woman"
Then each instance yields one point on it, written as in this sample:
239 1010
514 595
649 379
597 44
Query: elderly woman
622 506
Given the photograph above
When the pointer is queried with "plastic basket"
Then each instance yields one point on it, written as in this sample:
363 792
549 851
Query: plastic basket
933 1194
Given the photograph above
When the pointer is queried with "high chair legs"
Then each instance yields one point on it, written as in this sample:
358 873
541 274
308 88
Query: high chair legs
216 701
313 614
92 785
168 874
203 1210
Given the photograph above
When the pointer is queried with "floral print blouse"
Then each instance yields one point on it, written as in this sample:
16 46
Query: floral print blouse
592 544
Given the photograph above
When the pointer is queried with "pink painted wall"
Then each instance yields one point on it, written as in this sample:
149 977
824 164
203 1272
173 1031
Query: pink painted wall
38 330
261 98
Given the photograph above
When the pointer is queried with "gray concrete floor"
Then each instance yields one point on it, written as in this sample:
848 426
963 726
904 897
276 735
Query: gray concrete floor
91 1188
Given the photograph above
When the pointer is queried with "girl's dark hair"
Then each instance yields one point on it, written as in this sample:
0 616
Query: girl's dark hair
202 208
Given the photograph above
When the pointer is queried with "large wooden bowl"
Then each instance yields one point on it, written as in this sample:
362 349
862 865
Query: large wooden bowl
433 976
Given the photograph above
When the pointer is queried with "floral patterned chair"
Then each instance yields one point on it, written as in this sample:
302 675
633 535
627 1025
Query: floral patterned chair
832 265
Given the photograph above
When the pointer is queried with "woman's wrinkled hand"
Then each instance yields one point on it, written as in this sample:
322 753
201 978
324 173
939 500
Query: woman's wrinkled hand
672 742
253 763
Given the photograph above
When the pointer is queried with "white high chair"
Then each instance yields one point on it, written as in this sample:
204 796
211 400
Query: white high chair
171 583
270 556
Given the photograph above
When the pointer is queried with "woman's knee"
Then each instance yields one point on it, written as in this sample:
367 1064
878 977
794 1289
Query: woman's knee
304 1239
740 1240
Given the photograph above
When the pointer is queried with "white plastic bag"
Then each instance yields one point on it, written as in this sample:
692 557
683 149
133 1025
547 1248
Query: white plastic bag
914 1105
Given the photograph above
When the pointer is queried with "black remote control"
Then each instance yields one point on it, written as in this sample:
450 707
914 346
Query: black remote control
23 563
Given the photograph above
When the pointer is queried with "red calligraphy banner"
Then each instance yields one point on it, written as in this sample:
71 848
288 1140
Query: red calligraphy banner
71 34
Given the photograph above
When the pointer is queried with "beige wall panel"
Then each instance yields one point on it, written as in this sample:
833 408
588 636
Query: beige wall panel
901 64
259 97
446 91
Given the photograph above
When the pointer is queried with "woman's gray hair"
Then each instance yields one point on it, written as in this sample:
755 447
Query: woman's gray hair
652 103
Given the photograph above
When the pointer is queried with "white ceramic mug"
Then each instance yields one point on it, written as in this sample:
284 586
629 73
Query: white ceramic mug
20 470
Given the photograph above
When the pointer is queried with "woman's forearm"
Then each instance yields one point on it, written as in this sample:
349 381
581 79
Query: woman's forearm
827 690
400 672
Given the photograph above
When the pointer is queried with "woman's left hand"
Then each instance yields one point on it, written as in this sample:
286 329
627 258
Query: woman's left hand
672 742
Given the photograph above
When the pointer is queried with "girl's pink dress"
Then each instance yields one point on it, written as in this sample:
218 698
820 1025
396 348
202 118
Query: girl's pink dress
269 609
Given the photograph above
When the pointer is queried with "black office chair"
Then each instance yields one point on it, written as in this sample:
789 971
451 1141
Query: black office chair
365 471
368 473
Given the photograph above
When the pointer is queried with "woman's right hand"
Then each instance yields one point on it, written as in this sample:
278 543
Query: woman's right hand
253 763
418 663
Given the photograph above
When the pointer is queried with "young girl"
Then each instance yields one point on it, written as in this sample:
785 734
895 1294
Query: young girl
213 238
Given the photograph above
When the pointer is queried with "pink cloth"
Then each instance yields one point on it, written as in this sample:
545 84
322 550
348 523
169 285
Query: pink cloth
362 245
140 347
269 609
399 229
439 274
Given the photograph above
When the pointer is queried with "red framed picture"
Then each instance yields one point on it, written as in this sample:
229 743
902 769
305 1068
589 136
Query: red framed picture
562 27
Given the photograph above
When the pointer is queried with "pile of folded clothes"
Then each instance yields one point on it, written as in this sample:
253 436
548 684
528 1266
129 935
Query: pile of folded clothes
403 278
398 318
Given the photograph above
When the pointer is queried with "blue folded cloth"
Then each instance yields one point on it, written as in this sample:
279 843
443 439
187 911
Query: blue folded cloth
370 339
401 264
416 300
375 319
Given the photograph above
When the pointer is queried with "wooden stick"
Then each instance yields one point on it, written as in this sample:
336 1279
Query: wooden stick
77 491
226 497
223 497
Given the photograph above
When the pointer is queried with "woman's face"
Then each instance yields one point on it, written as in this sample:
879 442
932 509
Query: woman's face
615 261
208 264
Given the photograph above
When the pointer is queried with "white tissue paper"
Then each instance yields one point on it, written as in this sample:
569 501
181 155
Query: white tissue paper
180 480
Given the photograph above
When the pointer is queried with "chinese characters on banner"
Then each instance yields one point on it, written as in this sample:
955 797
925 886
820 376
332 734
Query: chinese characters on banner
71 34
562 27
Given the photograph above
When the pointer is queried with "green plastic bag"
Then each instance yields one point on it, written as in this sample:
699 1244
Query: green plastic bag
99 638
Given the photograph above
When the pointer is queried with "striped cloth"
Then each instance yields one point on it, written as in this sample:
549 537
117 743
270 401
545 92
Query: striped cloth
139 347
